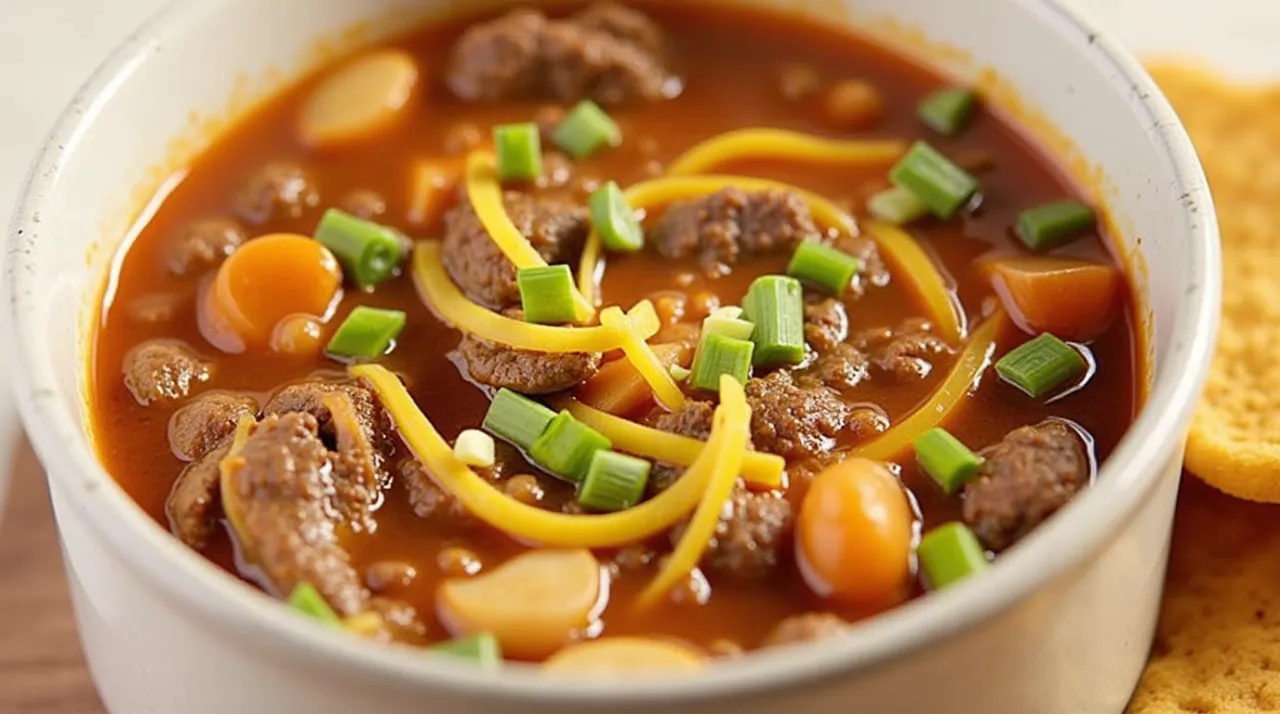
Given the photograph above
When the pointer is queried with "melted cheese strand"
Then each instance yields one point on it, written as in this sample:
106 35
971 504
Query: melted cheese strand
644 360
768 143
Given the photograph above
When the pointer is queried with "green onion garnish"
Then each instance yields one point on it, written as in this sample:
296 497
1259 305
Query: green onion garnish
776 305
823 266
948 111
369 253
614 482
896 205
308 601
717 355
585 129
483 648
366 334
519 150
722 324
950 553
941 185
567 447
615 220
1052 224
945 459
1039 366
517 418
546 294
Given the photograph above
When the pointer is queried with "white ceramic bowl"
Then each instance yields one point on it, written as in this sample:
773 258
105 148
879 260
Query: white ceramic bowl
1060 625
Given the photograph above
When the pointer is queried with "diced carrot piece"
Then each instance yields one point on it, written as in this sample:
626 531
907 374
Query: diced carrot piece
1073 299
618 387
362 98
434 185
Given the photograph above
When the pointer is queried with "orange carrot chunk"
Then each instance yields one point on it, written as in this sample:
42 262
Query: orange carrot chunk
1072 299
619 388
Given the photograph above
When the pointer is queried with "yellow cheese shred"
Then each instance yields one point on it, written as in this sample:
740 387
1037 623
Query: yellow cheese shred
666 190
759 469
945 399
732 420
534 524
437 288
644 360
914 265
768 143
485 193
226 471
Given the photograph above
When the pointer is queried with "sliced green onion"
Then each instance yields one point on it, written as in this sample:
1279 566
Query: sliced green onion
615 220
734 327
948 111
717 355
585 129
369 253
474 448
941 185
567 447
1052 224
896 205
308 601
950 553
679 373
614 482
519 150
483 648
366 334
1039 366
945 459
776 305
517 418
546 294
823 266
732 312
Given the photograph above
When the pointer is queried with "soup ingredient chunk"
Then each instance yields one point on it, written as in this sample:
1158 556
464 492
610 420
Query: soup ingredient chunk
854 534
279 191
730 224
533 603
555 228
751 537
203 244
524 371
623 658
196 428
905 352
163 370
192 507
799 629
1025 478
361 98
793 421
1072 299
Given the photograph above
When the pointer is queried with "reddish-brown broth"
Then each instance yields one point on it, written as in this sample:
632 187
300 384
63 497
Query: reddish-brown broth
731 60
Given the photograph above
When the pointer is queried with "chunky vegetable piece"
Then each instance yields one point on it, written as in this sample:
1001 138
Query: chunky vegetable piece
567 447
1072 299
360 100
948 111
1041 365
623 658
949 554
945 459
1051 224
614 220
941 185
619 388
366 334
369 253
585 130
519 152
774 304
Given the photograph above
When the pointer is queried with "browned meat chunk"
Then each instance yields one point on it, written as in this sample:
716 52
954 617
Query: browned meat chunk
163 370
826 324
193 505
808 627
196 428
1025 478
279 190
364 203
752 537
607 53
283 512
794 421
841 367
904 352
730 224
310 397
872 272
524 371
203 244
557 229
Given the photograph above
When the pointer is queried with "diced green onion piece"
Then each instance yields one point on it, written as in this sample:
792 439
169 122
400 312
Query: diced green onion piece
1052 224
369 253
732 312
482 647
585 129
308 601
717 355
519 150
1039 366
546 294
615 220
567 447
366 334
945 459
896 205
474 448
948 111
734 327
679 373
614 482
517 418
823 266
776 305
941 185
950 553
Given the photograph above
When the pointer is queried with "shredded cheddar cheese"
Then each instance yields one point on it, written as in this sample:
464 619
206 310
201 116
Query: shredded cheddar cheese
226 470
914 265
644 360
437 288
767 143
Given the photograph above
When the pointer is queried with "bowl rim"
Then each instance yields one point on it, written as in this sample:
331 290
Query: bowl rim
183 575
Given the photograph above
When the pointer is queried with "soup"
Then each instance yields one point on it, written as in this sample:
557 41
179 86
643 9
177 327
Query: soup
614 335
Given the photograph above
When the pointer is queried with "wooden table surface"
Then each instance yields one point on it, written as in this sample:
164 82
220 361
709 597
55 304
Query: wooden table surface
41 668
